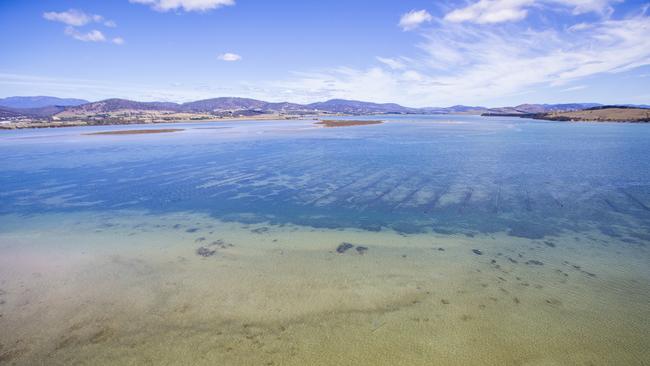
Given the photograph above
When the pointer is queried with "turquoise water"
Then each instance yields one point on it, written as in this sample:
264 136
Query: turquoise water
487 241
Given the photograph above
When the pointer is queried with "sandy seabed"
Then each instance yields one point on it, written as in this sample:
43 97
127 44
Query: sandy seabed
128 288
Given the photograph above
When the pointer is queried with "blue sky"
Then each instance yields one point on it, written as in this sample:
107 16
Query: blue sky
416 53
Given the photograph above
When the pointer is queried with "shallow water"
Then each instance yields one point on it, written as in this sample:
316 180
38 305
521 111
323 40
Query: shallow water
489 241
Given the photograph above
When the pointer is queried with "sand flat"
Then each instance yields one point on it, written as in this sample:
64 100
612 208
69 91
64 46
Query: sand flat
129 288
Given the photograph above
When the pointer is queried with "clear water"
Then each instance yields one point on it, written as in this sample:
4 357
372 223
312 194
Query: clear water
98 240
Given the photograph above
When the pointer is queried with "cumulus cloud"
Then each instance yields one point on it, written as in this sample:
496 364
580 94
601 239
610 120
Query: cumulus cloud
71 17
229 57
77 18
498 11
186 5
91 36
413 19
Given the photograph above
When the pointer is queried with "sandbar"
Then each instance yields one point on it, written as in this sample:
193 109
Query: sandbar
346 123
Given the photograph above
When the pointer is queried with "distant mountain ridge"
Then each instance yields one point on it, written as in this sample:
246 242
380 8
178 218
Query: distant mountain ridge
39 102
243 104
542 108
112 105
342 106
38 107
359 107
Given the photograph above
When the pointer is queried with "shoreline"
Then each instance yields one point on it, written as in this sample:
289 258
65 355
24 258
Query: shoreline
562 119
52 124
270 117
616 114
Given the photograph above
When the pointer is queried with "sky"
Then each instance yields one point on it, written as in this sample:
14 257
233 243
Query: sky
413 52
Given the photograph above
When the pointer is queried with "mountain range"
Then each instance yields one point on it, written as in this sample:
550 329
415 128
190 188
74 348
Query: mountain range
47 107
39 102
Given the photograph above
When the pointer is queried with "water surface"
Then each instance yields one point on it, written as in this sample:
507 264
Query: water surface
489 241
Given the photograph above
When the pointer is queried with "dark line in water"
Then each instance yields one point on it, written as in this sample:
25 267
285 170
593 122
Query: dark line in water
431 205
611 205
557 201
277 173
387 191
408 196
369 186
635 200
337 189
365 182
468 196
496 200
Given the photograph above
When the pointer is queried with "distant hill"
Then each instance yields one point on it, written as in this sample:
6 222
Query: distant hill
43 106
116 110
39 102
602 114
540 108
8 113
623 106
358 107
112 105
41 112
456 109
220 104
241 105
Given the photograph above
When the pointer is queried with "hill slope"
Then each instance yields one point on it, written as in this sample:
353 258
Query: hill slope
39 102
603 114
358 107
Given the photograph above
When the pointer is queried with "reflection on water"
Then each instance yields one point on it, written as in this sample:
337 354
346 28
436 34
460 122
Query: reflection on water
471 241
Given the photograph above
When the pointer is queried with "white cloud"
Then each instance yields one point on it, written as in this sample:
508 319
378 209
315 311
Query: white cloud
460 62
587 6
475 64
77 18
393 63
22 84
71 17
498 11
91 36
186 5
491 11
574 88
579 27
229 57
413 19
